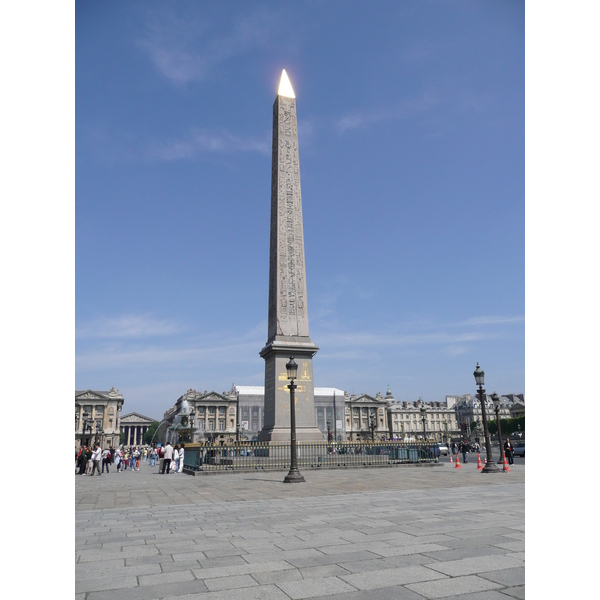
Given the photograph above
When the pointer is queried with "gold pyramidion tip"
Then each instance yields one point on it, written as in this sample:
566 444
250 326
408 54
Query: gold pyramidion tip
285 87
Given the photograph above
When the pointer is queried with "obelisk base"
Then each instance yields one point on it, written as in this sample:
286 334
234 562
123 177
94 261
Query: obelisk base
277 394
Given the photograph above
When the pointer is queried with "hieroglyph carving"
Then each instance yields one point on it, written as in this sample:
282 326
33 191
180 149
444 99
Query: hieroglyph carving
287 275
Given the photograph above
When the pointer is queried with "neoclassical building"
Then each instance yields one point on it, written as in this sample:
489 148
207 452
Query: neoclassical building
406 420
134 427
362 411
97 417
214 417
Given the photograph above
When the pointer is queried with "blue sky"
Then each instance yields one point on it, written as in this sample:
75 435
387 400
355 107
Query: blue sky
412 160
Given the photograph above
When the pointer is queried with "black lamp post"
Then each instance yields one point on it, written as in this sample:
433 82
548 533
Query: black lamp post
329 434
238 429
496 401
423 418
87 427
99 436
490 467
294 475
446 430
192 426
372 427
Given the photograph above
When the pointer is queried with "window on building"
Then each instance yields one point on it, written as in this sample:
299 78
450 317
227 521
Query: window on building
221 425
320 418
211 425
100 410
222 410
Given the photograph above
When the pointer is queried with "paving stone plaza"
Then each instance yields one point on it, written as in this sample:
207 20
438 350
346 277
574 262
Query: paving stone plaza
380 533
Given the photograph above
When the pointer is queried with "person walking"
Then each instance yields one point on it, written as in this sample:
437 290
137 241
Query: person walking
152 456
82 460
181 455
136 459
176 458
117 459
168 457
161 458
465 450
508 452
106 460
96 458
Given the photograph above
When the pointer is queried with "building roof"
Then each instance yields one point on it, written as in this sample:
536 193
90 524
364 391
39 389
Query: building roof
259 390
141 417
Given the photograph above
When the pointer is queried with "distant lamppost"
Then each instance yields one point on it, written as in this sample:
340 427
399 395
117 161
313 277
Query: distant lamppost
192 425
372 427
294 475
496 401
238 430
329 434
87 427
446 430
490 467
423 418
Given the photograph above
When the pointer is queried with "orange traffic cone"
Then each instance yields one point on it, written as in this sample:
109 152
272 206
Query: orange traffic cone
479 465
505 464
451 459
457 466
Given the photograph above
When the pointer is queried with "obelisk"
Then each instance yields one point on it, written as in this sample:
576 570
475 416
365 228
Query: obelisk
288 315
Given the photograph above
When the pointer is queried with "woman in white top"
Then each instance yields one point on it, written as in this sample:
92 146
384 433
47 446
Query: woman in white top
181 455
175 461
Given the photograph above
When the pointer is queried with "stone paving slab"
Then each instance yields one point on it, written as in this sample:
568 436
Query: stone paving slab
370 534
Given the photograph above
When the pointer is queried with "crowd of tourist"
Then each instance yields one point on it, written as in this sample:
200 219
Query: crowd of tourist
89 459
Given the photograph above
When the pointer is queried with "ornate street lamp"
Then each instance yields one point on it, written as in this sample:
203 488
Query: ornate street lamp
294 475
490 467
496 401
423 418
446 430
238 429
192 425
87 427
372 427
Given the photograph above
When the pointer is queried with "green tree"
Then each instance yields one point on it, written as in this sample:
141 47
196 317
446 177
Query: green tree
151 431
508 425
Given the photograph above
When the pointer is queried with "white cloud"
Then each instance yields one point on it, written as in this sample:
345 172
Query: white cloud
127 326
202 141
181 49
363 119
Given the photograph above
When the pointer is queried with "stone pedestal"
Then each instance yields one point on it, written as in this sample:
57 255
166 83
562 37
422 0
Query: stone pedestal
277 394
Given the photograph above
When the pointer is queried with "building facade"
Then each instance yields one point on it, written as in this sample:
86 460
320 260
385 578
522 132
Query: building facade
98 417
134 427
406 420
362 412
213 417
468 410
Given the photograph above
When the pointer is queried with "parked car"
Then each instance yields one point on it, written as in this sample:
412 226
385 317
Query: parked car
444 449
519 449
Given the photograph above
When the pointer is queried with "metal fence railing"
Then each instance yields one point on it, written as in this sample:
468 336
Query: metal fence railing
258 456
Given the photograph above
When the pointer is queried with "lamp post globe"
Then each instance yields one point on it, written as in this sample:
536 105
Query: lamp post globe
294 475
490 466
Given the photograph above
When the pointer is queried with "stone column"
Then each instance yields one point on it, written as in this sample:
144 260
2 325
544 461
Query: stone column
288 310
